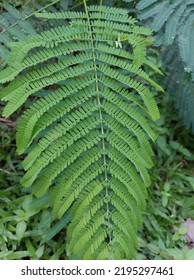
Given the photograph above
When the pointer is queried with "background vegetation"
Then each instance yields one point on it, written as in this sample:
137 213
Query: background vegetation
25 220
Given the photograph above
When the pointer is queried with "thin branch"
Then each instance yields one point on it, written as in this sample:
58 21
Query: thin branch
7 122
77 5
43 8
32 14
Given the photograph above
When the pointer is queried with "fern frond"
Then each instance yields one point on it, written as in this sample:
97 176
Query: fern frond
88 139
38 116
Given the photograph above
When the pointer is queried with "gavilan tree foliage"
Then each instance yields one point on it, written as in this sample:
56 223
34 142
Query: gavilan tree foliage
173 21
85 125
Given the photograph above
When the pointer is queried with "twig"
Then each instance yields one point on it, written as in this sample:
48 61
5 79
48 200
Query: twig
7 122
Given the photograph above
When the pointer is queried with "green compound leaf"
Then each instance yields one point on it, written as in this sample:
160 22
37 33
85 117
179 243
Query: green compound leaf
86 125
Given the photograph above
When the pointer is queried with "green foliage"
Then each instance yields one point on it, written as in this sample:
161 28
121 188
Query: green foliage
16 24
87 135
11 32
172 20
24 220
179 84
173 23
172 177
171 194
27 228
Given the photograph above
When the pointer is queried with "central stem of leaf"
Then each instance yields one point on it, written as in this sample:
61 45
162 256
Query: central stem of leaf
101 118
